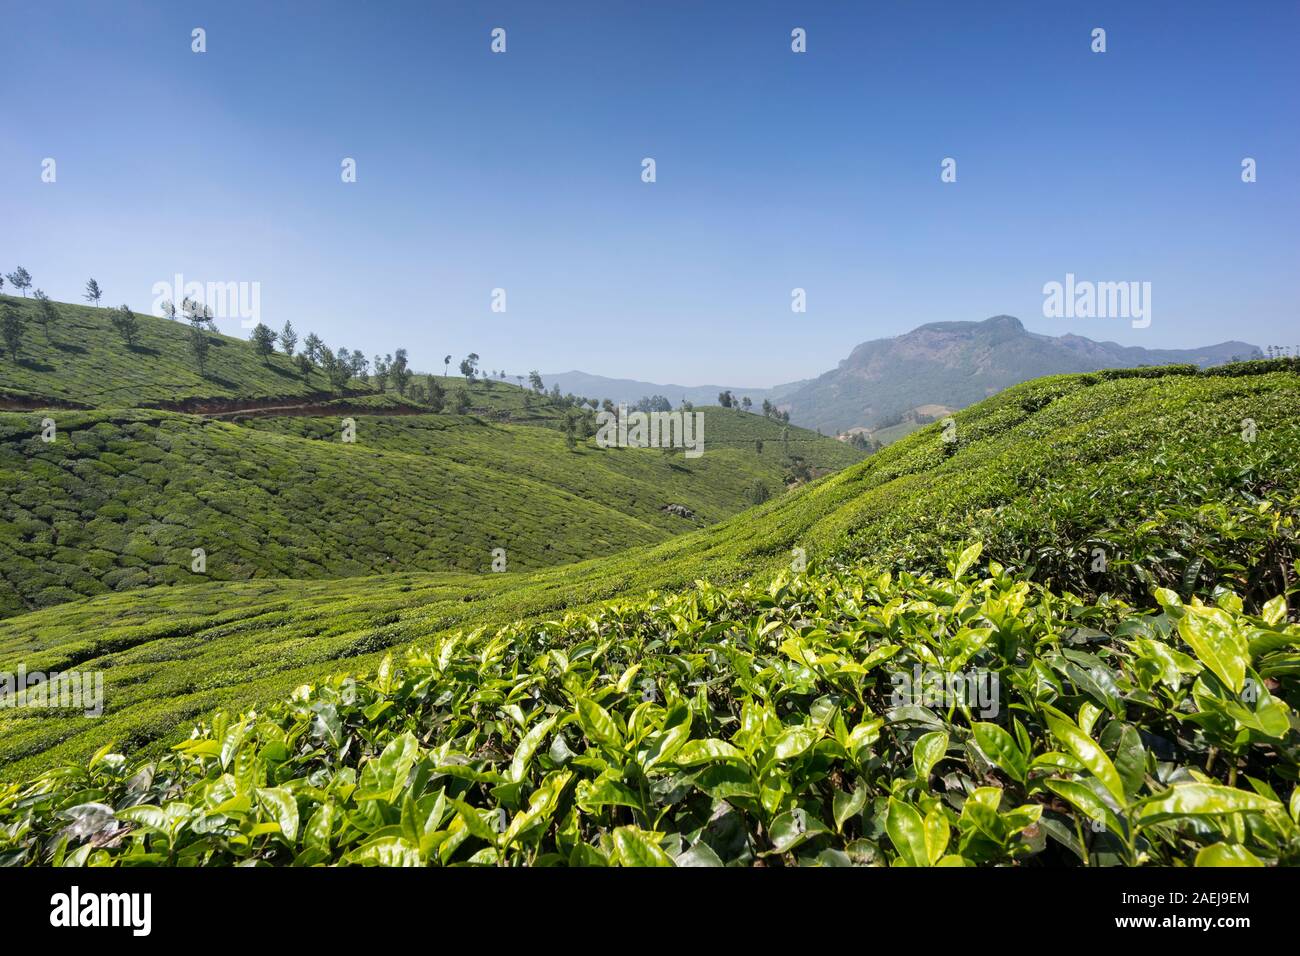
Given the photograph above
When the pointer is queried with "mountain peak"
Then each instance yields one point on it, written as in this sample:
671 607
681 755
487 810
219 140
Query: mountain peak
954 364
995 323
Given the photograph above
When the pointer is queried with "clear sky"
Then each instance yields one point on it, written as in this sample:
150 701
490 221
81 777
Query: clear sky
775 170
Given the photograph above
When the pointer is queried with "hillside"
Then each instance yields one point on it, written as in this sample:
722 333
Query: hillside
753 724
121 498
1150 468
84 363
958 363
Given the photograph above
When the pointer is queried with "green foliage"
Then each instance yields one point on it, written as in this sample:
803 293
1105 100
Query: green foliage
263 340
729 727
119 499
620 710
11 328
125 322
161 370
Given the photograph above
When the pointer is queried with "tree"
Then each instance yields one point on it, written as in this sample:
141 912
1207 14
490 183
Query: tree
288 339
169 309
381 372
400 371
746 404
446 365
45 312
758 446
2 281
767 408
360 366
93 293
11 327
304 364
535 381
21 280
462 400
336 369
125 322
757 492
200 317
435 394
469 366
569 438
199 347
263 340
311 347
725 399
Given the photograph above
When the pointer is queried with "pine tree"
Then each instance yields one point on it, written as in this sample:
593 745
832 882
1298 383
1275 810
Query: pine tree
21 280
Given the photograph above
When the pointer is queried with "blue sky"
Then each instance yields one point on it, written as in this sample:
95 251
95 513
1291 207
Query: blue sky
775 170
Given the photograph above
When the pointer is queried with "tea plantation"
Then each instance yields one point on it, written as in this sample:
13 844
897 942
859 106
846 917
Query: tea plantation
1113 556
121 499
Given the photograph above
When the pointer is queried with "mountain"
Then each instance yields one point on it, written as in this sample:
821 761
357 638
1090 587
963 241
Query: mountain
630 390
954 364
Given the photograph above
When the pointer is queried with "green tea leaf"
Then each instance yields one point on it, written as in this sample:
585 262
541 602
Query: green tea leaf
929 750
1087 752
1201 799
1000 749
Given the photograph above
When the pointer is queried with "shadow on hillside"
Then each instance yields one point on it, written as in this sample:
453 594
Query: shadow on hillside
223 382
144 350
34 365
284 372
68 347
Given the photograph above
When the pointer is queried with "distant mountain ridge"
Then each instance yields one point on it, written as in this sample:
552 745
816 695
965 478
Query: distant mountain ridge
631 390
956 364
947 364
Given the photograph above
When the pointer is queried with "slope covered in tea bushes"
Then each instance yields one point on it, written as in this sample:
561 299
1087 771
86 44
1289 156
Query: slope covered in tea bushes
1155 469
120 499
741 727
83 363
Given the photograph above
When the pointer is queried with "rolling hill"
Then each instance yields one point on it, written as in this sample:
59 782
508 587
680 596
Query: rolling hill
265 485
83 363
1151 468
121 498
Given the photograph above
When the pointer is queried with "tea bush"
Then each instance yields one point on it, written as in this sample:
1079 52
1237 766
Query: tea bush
741 726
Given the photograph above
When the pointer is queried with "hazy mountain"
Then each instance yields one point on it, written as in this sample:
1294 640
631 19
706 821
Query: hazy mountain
958 363
630 390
